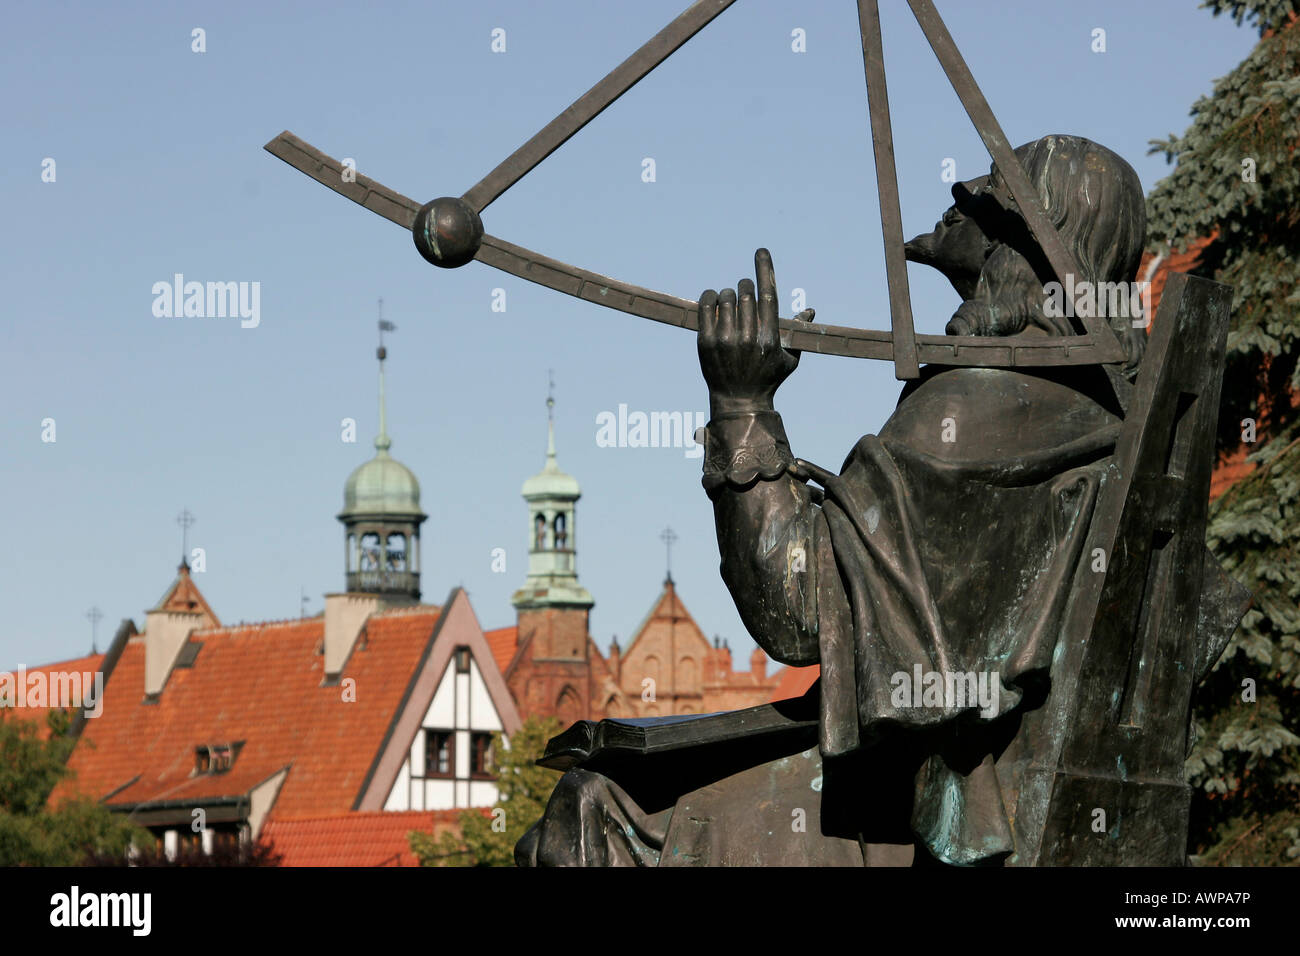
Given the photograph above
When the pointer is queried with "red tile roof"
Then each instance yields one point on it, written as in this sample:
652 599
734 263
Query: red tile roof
260 684
80 665
503 642
795 681
377 838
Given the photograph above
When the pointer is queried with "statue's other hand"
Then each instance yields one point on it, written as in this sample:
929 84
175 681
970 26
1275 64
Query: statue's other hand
739 343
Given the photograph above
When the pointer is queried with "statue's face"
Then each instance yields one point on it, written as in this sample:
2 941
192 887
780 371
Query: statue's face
960 241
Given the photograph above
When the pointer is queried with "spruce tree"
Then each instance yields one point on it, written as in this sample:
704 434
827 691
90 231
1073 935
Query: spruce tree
1237 184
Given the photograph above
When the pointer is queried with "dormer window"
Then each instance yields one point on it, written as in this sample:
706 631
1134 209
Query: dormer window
215 758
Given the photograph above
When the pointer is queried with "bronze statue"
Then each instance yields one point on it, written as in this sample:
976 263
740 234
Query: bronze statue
932 578
1007 590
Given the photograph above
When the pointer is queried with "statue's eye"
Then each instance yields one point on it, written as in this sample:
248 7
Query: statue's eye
951 216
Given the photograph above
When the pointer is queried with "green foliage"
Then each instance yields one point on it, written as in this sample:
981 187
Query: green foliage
1237 183
1266 14
31 834
523 790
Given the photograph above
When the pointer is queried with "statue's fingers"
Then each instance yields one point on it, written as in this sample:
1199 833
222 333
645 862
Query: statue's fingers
769 330
708 320
727 317
747 313
765 272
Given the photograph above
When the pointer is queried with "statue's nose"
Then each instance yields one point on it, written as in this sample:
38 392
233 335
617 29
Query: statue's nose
920 248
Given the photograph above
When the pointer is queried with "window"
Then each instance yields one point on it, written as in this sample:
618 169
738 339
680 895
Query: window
439 753
481 765
370 552
215 758
561 535
462 660
539 533
396 554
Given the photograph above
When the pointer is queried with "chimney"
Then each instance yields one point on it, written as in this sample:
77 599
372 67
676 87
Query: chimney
164 636
724 658
345 616
758 664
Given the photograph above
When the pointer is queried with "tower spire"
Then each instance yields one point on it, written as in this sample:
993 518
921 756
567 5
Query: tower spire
551 462
382 441
381 513
553 605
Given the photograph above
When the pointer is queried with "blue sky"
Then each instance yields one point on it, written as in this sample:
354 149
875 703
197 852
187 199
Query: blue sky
160 170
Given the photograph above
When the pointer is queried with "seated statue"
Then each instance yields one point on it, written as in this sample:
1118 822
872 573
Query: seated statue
929 578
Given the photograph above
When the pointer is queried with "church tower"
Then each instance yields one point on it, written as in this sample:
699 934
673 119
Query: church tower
382 517
552 606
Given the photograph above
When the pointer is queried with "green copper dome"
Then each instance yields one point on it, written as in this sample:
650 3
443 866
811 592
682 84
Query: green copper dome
383 485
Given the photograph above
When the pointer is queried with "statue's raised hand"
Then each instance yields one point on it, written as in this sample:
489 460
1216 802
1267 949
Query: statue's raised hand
739 342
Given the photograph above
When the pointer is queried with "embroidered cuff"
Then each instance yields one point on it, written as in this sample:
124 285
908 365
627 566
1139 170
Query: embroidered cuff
743 446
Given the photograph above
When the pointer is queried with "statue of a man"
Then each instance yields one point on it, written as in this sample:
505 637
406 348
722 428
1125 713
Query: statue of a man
930 576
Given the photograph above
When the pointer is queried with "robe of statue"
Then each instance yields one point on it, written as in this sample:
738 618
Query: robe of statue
946 545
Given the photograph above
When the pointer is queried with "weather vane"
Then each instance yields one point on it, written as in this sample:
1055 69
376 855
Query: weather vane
449 231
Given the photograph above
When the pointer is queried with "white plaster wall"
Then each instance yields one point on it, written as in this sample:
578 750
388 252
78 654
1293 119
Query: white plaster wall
438 795
485 715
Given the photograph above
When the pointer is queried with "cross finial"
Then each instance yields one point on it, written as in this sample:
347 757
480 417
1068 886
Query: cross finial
668 537
302 602
94 615
185 520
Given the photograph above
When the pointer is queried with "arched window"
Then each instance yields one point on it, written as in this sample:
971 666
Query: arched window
561 534
352 552
686 673
539 532
395 556
370 552
568 708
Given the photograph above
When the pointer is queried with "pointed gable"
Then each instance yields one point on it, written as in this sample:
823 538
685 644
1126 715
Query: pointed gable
667 613
457 627
184 595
